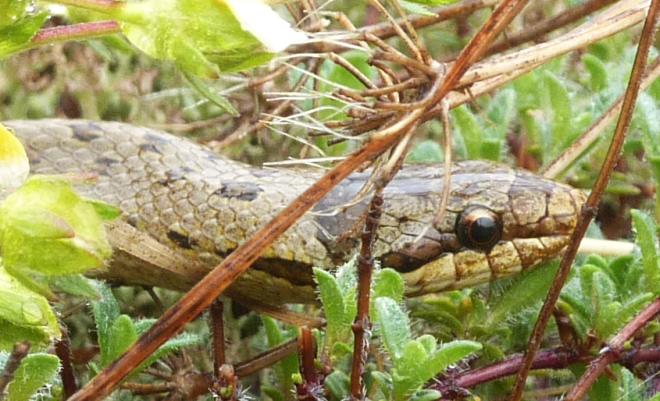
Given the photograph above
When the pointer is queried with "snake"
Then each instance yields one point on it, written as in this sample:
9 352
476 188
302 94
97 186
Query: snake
185 208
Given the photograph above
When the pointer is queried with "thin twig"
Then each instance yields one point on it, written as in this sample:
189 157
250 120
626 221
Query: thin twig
612 352
266 359
311 388
589 209
216 312
361 325
19 352
452 386
559 21
63 352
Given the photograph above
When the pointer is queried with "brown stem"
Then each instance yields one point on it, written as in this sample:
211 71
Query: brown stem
82 31
218 332
267 358
589 209
63 351
216 281
19 352
537 30
311 387
361 325
612 352
557 358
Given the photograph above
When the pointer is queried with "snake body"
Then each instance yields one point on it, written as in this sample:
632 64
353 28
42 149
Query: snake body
200 206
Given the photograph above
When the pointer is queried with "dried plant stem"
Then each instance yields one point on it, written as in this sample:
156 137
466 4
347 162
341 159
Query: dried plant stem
559 21
216 312
589 209
613 351
362 325
266 359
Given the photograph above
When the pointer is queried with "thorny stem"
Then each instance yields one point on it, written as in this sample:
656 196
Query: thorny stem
19 352
361 325
453 386
218 279
82 31
589 209
612 352
63 352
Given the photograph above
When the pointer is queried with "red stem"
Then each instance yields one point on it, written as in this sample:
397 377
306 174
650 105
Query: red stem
85 30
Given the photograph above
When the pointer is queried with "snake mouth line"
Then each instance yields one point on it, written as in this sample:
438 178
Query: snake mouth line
467 268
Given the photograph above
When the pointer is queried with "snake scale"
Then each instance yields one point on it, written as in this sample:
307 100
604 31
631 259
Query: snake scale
197 206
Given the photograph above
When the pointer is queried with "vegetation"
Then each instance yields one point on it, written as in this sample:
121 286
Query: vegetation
210 71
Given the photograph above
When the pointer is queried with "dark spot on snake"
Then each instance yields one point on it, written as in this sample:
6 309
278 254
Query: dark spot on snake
181 240
106 161
172 176
245 191
85 132
148 147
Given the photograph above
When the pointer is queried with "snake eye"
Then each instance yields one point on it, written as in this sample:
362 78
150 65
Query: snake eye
478 228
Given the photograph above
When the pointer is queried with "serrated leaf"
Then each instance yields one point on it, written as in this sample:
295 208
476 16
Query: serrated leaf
289 365
34 372
527 289
645 230
394 326
122 334
105 312
449 354
332 301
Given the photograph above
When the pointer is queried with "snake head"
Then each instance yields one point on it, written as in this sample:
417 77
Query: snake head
498 221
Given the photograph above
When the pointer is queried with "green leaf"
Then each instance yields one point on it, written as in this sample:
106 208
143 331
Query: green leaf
76 285
47 229
121 336
337 384
34 372
11 334
597 72
414 8
560 108
426 395
449 354
104 210
204 37
388 283
645 230
201 87
470 129
394 326
105 311
527 290
427 151
24 308
17 36
332 300
289 365
12 11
